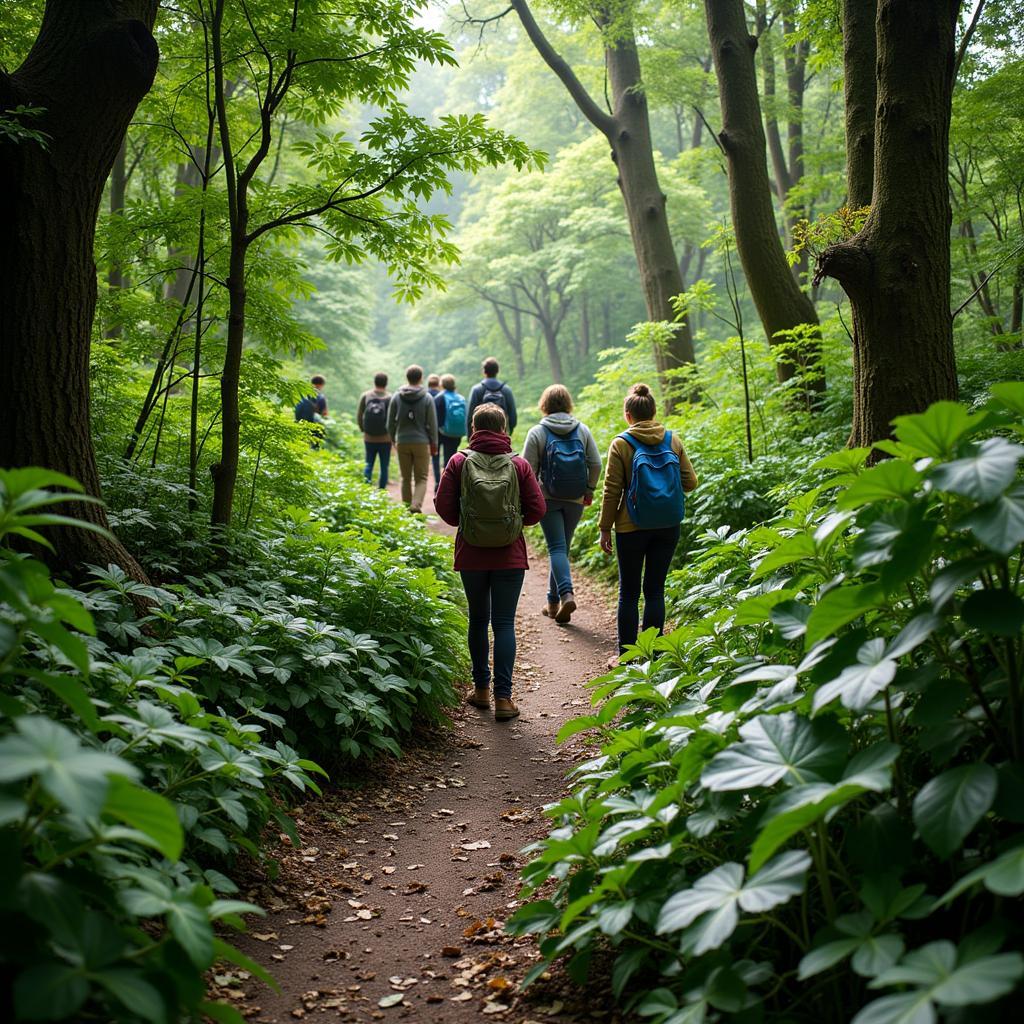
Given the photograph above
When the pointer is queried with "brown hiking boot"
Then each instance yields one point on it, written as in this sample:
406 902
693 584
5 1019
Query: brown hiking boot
504 709
550 609
566 608
480 699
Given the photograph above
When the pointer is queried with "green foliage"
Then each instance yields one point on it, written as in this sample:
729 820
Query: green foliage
807 802
119 793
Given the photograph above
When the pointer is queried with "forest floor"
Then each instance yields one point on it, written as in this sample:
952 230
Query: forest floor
392 909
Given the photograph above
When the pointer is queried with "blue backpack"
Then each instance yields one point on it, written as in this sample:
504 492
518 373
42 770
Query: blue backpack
564 469
454 415
655 498
304 409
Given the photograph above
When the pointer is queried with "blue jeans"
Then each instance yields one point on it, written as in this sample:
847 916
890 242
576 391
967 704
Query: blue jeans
492 595
377 450
644 558
559 524
449 446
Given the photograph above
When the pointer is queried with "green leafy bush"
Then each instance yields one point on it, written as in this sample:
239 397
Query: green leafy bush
808 800
121 795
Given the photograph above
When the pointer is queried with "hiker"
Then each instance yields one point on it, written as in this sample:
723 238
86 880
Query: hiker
372 417
563 454
646 477
490 495
451 418
313 409
434 390
490 389
412 425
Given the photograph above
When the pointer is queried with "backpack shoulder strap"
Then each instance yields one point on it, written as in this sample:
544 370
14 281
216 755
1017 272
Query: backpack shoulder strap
634 442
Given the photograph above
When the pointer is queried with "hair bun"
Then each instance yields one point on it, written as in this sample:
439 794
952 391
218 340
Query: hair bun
640 389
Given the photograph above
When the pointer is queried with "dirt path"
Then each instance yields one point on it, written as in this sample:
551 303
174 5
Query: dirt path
392 909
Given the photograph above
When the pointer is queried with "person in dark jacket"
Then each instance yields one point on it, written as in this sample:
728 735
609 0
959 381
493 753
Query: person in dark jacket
434 390
491 576
490 389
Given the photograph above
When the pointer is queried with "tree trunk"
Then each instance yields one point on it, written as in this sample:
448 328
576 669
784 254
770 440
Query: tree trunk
554 355
89 67
628 131
781 304
118 188
859 86
633 153
584 326
896 270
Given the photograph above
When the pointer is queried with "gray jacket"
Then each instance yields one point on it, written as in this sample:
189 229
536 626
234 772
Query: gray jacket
412 417
562 423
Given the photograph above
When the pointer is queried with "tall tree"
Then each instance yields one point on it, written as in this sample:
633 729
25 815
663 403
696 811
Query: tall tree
627 128
896 269
781 304
860 95
90 65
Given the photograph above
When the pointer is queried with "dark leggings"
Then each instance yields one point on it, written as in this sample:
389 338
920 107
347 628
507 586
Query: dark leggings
492 595
644 558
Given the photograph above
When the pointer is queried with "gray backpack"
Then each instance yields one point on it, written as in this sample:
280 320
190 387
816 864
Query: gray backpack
490 514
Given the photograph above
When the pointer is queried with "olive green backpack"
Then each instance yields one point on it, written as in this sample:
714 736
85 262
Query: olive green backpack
490 515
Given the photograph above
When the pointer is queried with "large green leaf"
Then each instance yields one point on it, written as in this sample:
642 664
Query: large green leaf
800 807
937 430
840 606
1003 876
858 685
998 612
74 775
892 479
951 804
713 902
984 474
1000 524
148 812
49 992
136 994
777 747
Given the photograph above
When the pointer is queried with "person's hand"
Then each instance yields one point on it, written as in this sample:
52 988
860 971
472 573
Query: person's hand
433 450
606 541
588 499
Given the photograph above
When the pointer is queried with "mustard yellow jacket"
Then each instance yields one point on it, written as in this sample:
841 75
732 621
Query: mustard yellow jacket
619 471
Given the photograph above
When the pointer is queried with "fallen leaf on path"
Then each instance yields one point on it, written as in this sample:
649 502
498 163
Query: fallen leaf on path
462 997
451 951
265 936
495 1008
499 984
390 1000
480 844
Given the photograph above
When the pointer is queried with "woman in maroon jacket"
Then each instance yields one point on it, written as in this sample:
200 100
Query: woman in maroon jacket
491 577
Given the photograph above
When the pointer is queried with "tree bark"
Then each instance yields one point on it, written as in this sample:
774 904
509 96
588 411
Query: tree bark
628 131
896 270
781 304
89 67
118 188
860 94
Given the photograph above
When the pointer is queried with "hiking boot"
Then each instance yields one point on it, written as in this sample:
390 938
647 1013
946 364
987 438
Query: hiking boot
480 699
504 709
566 608
550 609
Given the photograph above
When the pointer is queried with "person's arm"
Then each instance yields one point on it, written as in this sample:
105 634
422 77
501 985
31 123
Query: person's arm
531 501
614 483
593 461
393 417
532 450
474 401
360 410
446 501
442 409
432 426
513 416
686 471
321 404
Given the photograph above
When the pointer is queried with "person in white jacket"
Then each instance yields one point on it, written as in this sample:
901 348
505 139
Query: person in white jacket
564 455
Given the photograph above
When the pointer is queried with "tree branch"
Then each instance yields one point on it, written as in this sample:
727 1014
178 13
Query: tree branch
602 121
966 41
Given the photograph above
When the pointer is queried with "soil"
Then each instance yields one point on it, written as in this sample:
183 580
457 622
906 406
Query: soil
392 909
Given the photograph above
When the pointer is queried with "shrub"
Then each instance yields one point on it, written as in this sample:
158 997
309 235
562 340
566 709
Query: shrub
808 800
121 796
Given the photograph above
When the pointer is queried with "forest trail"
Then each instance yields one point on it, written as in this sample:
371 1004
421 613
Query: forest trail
399 891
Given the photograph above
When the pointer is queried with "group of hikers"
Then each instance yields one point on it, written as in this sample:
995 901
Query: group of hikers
490 494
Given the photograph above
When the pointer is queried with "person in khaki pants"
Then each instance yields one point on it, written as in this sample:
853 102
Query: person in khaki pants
412 425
